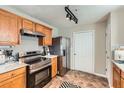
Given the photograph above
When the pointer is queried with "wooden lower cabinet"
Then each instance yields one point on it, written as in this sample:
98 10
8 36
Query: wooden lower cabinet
116 79
122 82
19 81
14 81
54 66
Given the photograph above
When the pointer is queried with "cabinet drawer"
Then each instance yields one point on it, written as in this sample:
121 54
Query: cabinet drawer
11 74
16 82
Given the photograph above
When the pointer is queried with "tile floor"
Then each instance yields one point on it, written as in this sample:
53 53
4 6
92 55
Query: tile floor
82 79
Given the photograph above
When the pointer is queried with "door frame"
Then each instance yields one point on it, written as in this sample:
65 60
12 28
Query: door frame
109 72
93 53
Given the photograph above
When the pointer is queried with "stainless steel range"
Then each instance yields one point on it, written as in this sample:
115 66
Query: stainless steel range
39 70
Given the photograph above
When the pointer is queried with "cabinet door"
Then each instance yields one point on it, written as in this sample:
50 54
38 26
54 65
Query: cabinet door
40 28
9 34
47 40
8 84
15 82
122 83
19 81
29 25
116 79
54 66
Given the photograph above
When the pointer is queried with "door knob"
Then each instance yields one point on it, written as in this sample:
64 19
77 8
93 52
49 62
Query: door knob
107 57
74 53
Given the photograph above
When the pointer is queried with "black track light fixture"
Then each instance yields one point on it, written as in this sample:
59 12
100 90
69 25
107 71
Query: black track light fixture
70 15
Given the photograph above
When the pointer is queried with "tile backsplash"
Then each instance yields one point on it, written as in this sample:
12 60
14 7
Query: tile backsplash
27 44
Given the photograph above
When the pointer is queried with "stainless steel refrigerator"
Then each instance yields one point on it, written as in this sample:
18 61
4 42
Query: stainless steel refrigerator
61 47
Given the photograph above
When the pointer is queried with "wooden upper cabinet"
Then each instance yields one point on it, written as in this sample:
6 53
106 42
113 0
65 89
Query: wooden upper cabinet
28 25
39 28
48 37
47 40
10 26
9 32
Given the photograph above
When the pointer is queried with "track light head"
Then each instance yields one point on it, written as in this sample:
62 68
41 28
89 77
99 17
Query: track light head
70 15
67 16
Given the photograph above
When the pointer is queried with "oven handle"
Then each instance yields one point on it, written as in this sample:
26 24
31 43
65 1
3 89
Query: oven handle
44 66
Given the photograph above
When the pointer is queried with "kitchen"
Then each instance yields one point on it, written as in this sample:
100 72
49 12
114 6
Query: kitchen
66 53
22 63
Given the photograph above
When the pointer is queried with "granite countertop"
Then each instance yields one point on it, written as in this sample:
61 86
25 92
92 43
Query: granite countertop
119 64
50 56
11 66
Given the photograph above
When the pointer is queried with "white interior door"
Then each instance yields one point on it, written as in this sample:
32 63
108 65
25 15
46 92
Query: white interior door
83 51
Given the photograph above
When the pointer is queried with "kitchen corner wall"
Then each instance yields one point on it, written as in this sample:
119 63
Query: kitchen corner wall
100 28
28 43
100 48
117 28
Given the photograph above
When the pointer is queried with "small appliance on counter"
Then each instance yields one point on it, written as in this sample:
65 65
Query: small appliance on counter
119 54
2 56
6 56
46 51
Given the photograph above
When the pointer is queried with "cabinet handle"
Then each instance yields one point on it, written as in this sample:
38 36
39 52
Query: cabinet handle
12 75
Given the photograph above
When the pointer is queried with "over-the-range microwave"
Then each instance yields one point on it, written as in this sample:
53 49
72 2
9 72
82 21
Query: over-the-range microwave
119 54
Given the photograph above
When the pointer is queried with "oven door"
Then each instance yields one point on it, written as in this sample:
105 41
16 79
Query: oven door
40 78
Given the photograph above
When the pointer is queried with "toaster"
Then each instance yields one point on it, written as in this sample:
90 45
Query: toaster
119 54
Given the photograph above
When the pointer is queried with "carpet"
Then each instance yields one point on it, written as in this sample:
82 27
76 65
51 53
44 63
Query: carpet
66 84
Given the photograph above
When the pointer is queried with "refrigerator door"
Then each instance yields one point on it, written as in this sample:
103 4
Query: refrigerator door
61 47
64 52
68 52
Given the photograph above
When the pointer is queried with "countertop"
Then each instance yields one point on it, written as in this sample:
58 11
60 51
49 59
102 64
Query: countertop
15 65
119 65
11 66
50 56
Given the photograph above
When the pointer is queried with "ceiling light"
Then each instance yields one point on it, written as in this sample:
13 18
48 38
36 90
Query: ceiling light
70 15
67 16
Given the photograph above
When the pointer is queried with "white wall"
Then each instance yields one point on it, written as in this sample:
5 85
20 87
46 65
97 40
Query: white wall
117 28
99 44
100 57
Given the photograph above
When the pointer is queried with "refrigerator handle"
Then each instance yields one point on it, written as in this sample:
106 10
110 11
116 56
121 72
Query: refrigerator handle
64 52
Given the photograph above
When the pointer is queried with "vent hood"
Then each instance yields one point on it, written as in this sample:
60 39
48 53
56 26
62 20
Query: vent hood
26 32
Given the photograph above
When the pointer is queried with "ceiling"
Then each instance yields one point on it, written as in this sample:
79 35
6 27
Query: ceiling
56 15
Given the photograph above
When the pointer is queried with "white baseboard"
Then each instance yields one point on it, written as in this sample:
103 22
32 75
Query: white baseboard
101 75
97 74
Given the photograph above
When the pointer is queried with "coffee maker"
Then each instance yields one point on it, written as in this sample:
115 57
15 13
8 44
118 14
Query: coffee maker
46 50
